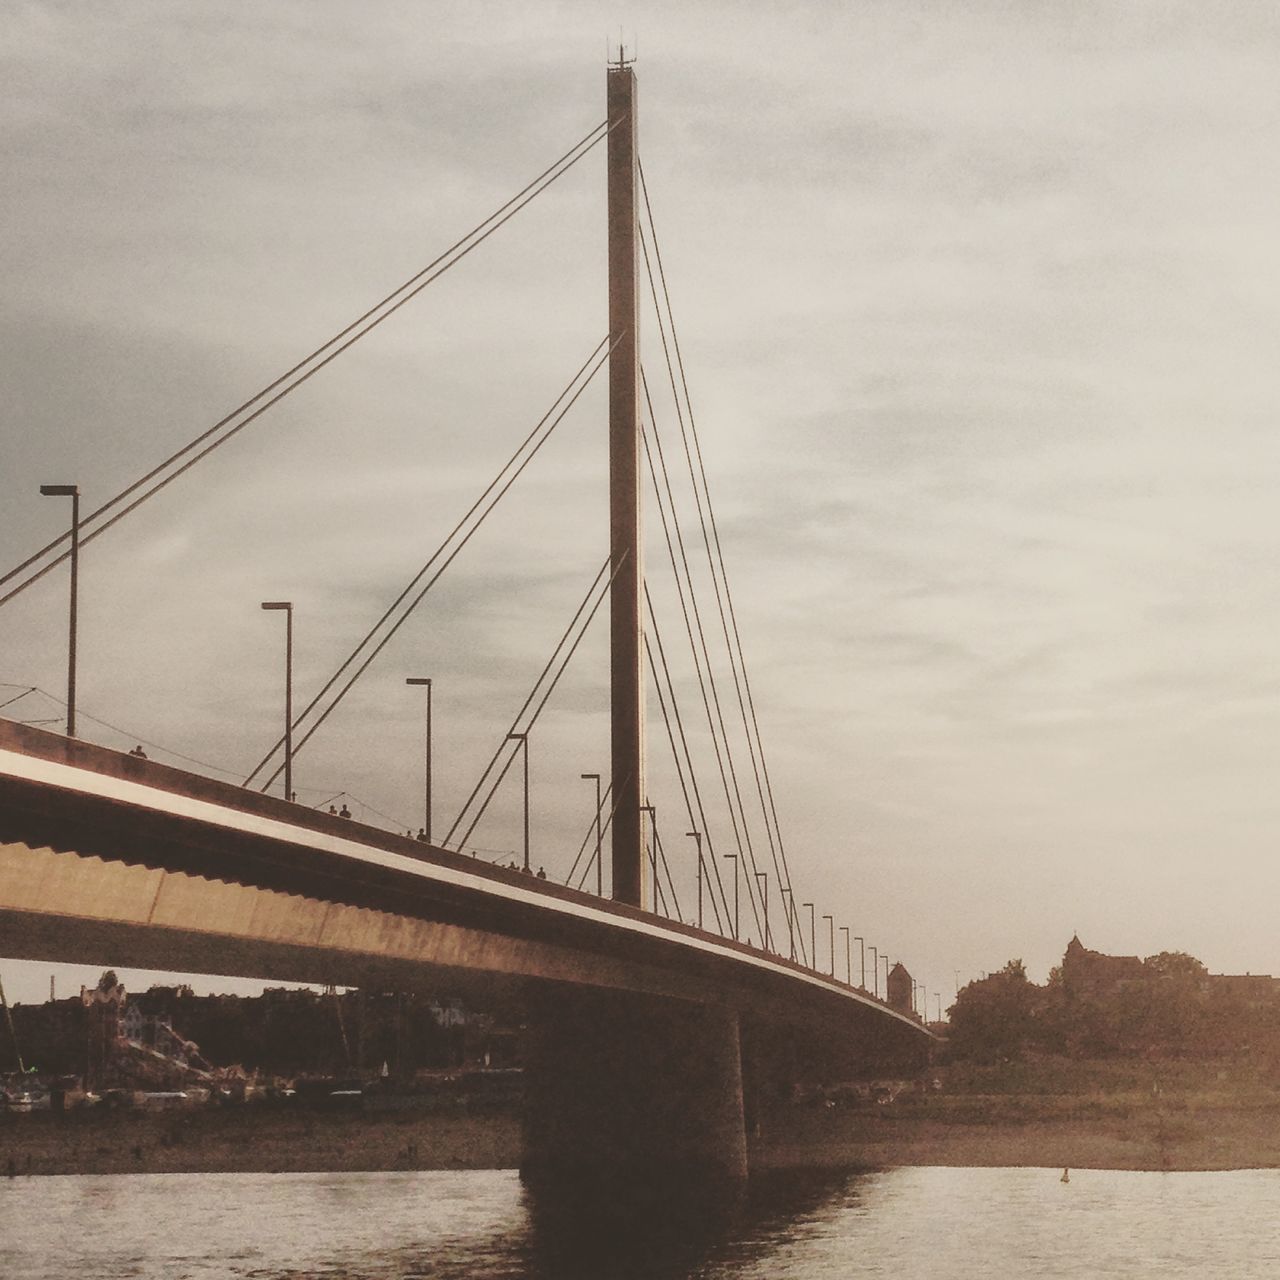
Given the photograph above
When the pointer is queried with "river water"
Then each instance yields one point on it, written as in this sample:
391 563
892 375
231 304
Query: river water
945 1224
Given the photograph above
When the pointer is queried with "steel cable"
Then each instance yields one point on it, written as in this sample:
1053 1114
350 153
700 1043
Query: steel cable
772 811
413 582
409 289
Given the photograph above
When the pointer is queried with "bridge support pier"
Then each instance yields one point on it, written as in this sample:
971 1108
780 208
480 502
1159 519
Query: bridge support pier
633 1104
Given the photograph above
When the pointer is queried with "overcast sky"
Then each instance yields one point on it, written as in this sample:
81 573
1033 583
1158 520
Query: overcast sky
979 309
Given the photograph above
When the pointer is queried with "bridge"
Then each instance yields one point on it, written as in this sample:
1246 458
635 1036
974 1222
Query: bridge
650 1039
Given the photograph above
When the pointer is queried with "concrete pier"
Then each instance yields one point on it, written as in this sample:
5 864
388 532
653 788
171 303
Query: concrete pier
627 1093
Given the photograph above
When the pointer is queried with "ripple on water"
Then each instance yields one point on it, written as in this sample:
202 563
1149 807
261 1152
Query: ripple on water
905 1223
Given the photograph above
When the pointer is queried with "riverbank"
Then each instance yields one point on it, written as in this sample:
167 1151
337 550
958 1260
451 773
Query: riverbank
1121 1129
256 1140
1048 1135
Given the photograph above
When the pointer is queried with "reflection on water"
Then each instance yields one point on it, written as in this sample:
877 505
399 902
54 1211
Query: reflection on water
906 1223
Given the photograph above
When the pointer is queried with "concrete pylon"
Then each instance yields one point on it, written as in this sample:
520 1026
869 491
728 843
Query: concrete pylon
626 633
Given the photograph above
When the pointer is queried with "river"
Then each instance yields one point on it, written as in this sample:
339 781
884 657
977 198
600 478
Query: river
944 1224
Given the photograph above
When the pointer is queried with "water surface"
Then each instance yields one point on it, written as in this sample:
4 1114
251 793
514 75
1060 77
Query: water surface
945 1224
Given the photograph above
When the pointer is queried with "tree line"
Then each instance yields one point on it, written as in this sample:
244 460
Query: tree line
1171 1008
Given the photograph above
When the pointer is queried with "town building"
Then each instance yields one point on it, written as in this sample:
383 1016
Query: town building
900 989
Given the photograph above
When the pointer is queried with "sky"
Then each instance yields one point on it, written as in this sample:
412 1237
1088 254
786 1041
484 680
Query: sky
979 308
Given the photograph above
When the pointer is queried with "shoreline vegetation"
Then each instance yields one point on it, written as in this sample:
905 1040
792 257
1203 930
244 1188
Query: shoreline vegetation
1055 1113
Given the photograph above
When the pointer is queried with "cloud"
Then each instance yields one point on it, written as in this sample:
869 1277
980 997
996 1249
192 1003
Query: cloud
978 309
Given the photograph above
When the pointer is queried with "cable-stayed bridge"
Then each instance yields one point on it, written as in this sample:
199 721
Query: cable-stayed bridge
652 1021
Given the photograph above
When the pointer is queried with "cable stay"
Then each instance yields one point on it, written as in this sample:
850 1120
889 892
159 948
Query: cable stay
586 840
240 417
702 492
492 495
543 676
605 828
658 859
700 822
10 701
702 641
715 718
719 553
567 646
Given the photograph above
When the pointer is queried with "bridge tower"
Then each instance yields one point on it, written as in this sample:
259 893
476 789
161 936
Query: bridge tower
625 617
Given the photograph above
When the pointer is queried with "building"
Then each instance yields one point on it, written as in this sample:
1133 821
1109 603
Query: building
1088 973
104 1005
901 989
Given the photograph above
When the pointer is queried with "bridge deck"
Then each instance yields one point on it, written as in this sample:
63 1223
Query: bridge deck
78 799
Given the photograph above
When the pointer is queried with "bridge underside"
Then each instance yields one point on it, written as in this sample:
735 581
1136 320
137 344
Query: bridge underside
62 906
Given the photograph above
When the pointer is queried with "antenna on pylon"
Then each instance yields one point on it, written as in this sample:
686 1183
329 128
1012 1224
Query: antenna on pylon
621 60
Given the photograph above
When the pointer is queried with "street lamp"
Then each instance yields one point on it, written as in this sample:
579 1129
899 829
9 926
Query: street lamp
653 851
71 491
589 777
862 951
426 829
696 837
813 938
523 739
788 909
762 882
875 973
848 958
287 606
733 857
831 924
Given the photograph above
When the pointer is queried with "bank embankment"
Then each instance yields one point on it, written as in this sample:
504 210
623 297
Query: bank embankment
1123 1130
256 1140
1107 1133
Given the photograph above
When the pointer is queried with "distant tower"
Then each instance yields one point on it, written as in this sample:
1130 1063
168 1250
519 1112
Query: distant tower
900 987
103 1005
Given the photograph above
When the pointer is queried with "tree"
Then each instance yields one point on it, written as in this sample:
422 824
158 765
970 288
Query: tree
994 1018
1177 965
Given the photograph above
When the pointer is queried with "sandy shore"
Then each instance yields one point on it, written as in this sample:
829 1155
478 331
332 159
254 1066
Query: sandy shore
1112 1136
1116 1137
256 1140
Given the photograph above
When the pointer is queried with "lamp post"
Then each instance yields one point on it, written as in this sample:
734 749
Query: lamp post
862 951
589 777
426 828
71 491
885 958
287 607
523 739
848 958
831 925
875 973
696 837
938 997
653 851
762 882
733 857
788 908
813 938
